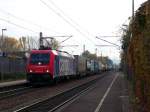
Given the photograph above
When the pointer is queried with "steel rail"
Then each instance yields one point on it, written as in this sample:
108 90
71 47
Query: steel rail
14 92
52 103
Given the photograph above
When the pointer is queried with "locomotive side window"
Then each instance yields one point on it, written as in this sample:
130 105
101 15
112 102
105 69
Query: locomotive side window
40 58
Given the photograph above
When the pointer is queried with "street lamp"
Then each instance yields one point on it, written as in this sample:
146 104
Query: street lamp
2 74
2 38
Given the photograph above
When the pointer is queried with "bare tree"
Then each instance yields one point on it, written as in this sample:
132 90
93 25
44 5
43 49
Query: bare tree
28 43
10 44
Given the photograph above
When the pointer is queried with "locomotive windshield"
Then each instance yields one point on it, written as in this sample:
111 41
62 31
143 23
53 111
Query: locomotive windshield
40 58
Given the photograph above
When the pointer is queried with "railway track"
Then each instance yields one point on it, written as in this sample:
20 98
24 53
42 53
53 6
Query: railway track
10 87
10 91
58 101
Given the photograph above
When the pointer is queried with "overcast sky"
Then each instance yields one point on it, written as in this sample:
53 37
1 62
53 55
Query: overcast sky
83 19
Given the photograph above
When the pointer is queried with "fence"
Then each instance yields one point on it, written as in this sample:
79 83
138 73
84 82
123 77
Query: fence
11 66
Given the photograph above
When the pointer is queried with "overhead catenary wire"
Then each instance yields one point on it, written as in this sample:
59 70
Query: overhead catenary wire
19 18
69 45
89 34
77 25
67 21
65 39
26 21
108 41
72 21
69 18
105 45
76 22
109 36
17 25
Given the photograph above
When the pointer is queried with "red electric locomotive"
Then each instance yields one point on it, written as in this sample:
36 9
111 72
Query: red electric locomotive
48 65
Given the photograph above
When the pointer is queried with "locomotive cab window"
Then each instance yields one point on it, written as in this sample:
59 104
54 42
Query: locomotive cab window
40 58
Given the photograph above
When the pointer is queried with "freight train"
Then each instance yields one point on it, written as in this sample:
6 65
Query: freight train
51 65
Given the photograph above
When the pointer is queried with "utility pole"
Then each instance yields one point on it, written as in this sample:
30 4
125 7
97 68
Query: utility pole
96 51
101 57
132 9
84 48
132 18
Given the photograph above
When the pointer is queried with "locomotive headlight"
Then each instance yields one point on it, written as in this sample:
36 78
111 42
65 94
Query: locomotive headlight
30 71
47 71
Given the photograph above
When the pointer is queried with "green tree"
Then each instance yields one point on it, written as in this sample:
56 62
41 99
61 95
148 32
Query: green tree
125 40
55 44
89 55
105 60
86 53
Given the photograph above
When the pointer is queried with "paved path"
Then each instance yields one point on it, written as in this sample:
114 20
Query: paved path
110 94
11 83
